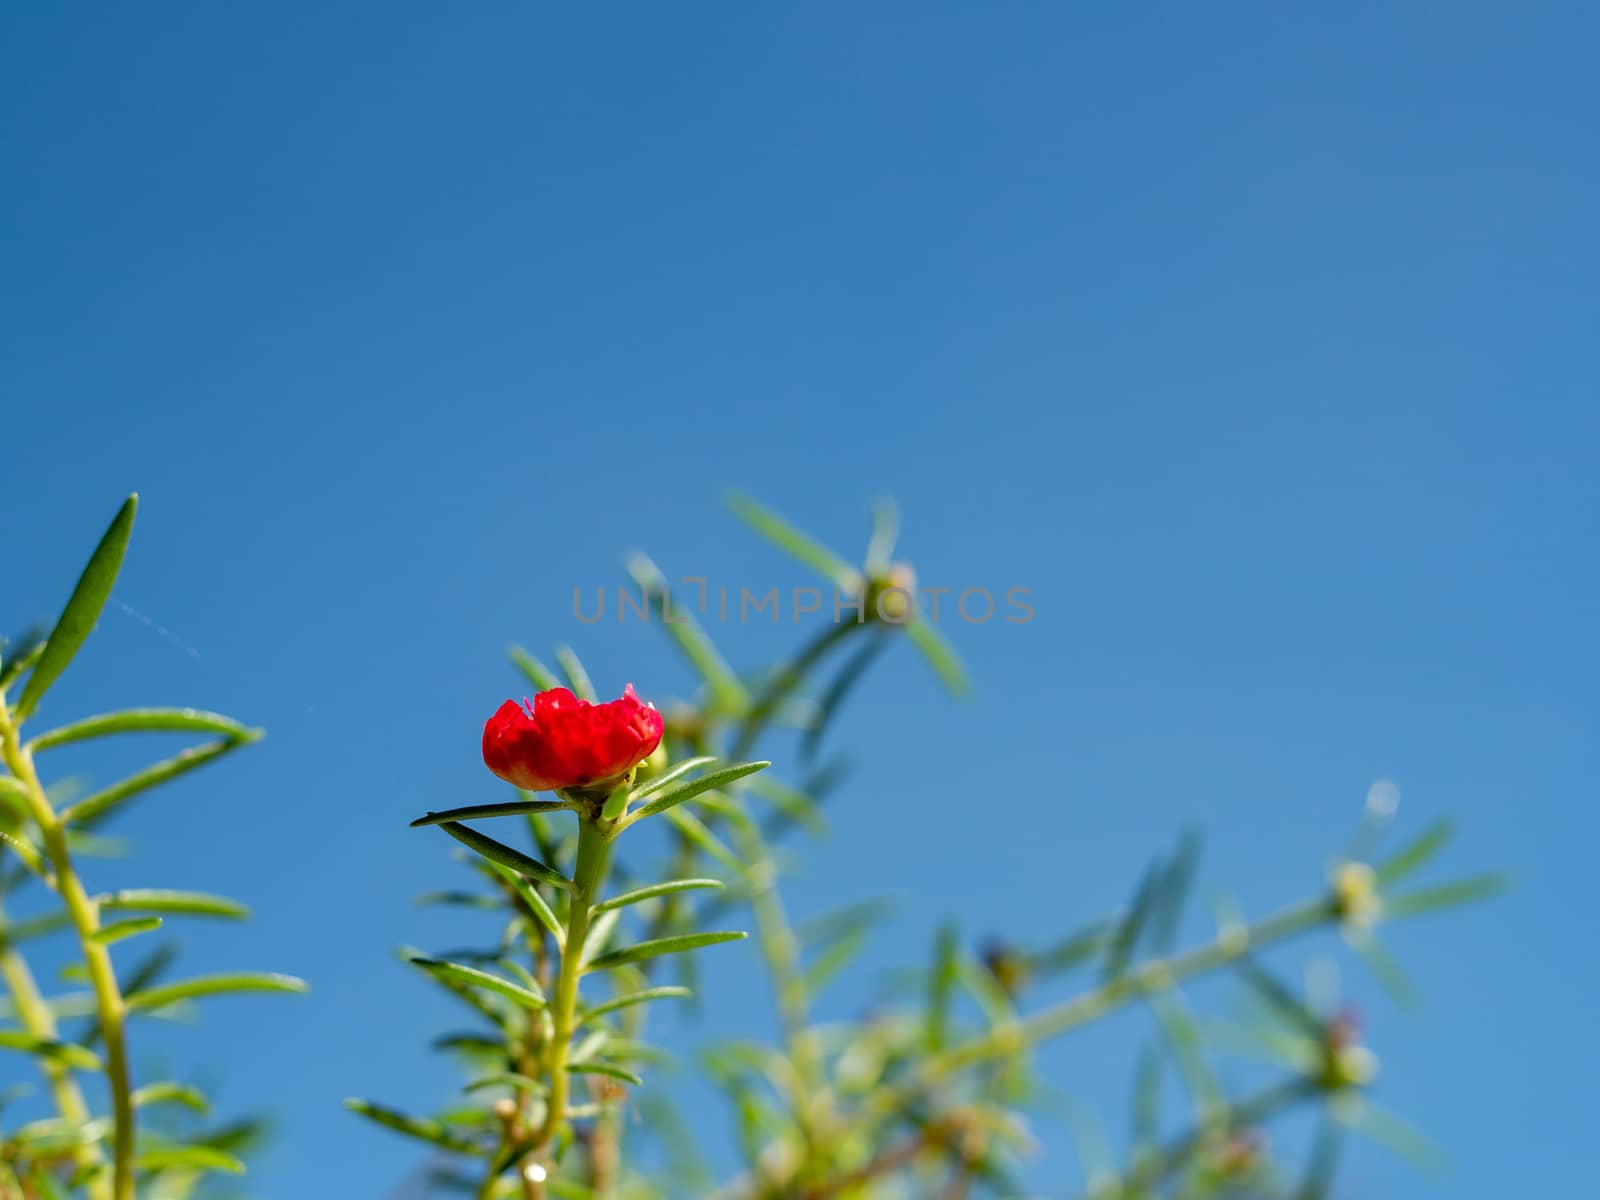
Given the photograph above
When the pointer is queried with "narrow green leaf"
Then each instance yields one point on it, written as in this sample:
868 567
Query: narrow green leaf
499 852
472 812
424 1129
1446 895
472 977
65 1053
1386 969
191 1158
577 678
213 985
796 544
82 609
835 958
696 832
654 890
1121 947
658 946
93 807
506 1079
1145 1122
643 996
693 641
832 700
885 531
606 1069
22 657
846 921
941 656
673 797
166 900
1172 892
1075 949
1282 999
941 986
31 856
790 804
117 930
14 932
1356 1112
146 720
673 773
536 903
1416 853
539 675
168 1092
600 931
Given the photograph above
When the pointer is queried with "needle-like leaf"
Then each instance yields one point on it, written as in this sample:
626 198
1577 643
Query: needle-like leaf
506 856
659 946
82 609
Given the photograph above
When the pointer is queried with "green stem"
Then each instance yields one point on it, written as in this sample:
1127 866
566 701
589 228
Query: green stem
1153 976
37 1019
102 976
1148 1171
594 853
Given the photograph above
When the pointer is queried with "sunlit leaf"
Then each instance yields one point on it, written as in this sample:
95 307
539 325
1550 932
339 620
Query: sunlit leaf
940 654
192 1158
603 1068
796 544
168 1092
885 530
1447 895
82 609
93 807
213 985
539 675
644 996
118 930
674 796
146 720
680 625
164 900
654 890
1356 1112
1416 853
473 977
65 1053
676 944
941 987
424 1129
577 678
1386 969
695 831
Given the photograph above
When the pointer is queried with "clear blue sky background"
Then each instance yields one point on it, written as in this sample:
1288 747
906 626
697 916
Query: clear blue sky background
1257 340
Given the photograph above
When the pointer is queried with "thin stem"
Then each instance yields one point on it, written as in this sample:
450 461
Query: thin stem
594 852
1151 1169
37 1019
1153 976
102 976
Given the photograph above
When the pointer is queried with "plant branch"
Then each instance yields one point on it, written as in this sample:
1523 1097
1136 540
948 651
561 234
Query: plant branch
85 918
1153 976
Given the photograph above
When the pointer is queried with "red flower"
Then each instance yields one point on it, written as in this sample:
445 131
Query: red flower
559 741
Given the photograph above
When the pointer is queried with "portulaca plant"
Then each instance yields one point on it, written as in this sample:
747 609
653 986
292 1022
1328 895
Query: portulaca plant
935 1092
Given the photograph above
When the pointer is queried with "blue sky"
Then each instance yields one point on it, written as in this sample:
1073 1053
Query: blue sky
1257 341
